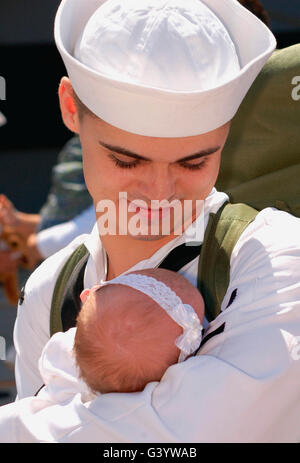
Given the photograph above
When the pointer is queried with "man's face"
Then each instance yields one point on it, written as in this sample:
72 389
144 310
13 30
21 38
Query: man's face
148 168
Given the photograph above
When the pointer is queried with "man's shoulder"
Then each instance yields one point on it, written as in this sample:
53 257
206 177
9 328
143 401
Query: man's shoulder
43 279
269 246
273 229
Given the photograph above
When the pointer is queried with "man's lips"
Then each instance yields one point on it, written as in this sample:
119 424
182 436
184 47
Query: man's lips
150 212
154 213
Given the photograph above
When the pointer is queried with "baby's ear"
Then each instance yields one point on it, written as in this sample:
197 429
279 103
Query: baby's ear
84 295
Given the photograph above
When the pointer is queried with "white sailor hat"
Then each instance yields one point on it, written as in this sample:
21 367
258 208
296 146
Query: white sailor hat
162 68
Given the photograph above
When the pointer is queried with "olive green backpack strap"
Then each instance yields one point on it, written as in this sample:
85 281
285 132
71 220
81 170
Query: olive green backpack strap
61 286
222 233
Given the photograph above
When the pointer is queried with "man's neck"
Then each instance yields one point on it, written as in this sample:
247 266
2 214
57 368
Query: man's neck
124 252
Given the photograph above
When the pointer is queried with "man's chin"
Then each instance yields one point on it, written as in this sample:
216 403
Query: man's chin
158 230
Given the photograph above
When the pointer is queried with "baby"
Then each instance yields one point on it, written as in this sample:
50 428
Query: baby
133 328
129 331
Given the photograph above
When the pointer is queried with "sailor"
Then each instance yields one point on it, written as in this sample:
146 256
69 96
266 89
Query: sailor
152 88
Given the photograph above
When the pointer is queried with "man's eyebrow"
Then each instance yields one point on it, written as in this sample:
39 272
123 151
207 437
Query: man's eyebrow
131 154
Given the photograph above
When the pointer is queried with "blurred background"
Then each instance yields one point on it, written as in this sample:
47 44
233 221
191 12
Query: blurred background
34 133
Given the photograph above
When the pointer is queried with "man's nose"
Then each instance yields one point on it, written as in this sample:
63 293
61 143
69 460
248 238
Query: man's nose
159 183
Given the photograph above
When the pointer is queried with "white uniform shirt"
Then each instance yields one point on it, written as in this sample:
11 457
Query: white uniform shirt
242 387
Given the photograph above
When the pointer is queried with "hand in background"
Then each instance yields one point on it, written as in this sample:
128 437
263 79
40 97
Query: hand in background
9 261
31 256
14 221
17 238
8 213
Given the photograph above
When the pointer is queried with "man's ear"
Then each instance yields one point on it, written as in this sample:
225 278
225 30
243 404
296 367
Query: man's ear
68 108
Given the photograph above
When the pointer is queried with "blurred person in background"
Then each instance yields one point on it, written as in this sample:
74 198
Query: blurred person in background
67 212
